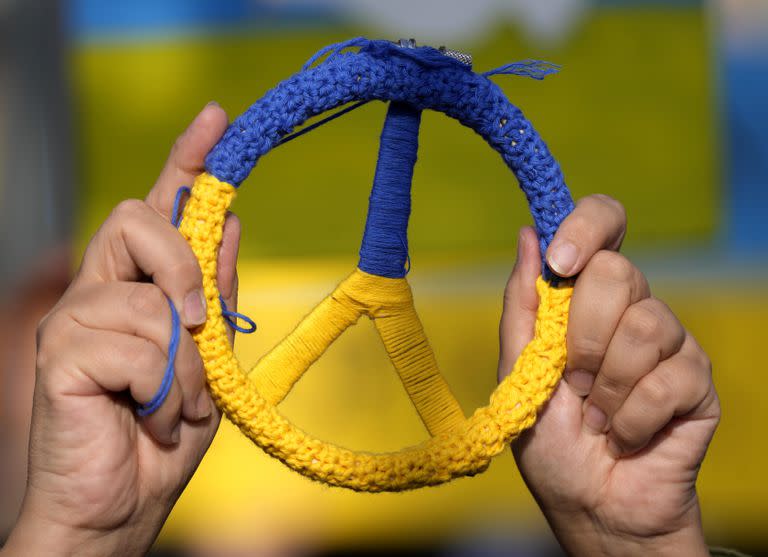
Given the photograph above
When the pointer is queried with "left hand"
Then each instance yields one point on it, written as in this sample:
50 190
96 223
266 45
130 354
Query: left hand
614 456
102 479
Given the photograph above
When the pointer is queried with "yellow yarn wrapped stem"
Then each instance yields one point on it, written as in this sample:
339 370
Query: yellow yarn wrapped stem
389 302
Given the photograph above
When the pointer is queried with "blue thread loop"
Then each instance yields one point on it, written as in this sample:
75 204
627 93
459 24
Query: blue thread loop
536 69
231 318
176 212
165 385
384 251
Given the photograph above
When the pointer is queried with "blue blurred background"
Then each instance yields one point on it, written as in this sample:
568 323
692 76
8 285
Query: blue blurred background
660 104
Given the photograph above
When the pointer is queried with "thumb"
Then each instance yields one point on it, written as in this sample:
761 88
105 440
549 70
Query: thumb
521 301
187 157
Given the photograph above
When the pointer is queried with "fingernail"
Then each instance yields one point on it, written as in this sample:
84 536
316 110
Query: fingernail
594 418
613 448
176 433
580 381
203 405
562 258
194 307
212 103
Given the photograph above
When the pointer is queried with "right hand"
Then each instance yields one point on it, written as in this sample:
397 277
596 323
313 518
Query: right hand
101 480
614 455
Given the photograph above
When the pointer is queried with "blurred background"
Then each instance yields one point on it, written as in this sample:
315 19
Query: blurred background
661 104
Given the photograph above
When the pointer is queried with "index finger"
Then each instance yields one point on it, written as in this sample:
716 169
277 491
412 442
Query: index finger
187 157
134 242
598 222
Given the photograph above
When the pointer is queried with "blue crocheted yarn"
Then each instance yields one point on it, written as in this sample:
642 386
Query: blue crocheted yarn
421 77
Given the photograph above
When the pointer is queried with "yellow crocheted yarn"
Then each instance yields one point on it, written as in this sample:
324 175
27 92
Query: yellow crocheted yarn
459 446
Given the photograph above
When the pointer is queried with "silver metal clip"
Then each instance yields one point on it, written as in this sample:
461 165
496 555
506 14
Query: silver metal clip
463 57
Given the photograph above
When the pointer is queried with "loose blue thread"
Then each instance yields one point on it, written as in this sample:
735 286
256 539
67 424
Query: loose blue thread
173 345
176 213
334 49
535 69
311 127
229 316
165 385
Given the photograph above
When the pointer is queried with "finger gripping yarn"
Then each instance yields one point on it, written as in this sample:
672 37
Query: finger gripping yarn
413 79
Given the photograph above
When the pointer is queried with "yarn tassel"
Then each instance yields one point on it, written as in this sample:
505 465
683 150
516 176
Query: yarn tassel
536 69
334 49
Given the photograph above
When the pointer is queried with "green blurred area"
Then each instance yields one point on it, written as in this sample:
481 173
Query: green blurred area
630 115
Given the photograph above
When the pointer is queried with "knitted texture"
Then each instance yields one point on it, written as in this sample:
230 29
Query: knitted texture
414 79
459 447
421 77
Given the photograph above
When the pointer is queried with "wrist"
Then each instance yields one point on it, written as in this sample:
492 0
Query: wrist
581 534
35 535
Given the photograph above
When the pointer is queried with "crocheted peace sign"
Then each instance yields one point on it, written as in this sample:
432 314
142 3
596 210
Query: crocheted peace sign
412 79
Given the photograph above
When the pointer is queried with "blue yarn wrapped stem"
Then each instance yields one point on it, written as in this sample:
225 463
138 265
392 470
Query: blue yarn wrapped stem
384 251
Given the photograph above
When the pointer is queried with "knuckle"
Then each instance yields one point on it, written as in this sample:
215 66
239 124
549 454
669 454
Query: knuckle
699 358
642 323
611 389
658 392
186 267
172 404
703 362
50 336
147 301
612 266
625 432
578 220
176 147
129 208
189 364
616 206
581 227
696 377
147 357
717 409
589 352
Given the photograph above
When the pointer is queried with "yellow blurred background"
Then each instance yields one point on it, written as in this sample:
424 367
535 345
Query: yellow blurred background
638 112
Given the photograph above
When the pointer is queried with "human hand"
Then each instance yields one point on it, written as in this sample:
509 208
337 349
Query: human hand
102 480
613 458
